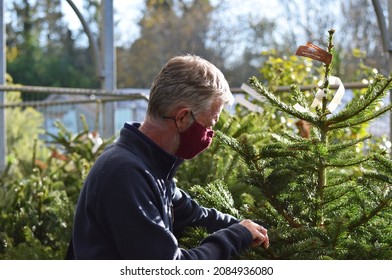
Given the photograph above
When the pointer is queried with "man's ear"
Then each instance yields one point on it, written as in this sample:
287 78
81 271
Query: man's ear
183 119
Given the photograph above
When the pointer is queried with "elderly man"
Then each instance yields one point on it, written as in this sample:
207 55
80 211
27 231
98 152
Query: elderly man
130 207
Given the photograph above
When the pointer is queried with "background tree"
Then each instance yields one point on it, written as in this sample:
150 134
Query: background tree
233 41
41 50
168 28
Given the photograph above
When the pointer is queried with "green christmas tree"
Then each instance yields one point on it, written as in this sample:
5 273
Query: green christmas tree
321 195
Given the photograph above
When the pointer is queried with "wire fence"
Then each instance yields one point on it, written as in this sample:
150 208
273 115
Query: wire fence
65 105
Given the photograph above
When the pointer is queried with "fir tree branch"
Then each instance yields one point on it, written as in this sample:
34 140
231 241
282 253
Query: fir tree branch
289 137
308 116
233 163
348 163
277 205
272 200
387 163
361 119
351 143
339 228
378 176
280 150
356 107
254 179
338 197
245 149
367 217
297 249
340 181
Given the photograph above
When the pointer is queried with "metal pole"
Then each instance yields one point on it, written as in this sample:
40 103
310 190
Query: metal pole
3 139
109 65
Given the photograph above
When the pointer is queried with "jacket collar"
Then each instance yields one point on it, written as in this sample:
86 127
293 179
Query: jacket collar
164 163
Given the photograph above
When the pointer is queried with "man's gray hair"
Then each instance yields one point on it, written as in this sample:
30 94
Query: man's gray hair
187 81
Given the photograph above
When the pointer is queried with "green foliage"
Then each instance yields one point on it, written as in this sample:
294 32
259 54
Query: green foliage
311 196
35 219
214 195
323 195
207 197
278 71
37 208
24 127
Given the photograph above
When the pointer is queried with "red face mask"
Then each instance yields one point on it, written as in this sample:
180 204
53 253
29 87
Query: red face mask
194 140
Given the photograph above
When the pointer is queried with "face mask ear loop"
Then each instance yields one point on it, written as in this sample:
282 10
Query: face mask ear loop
174 120
193 116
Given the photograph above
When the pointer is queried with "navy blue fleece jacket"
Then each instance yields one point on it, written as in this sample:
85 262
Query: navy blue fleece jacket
130 208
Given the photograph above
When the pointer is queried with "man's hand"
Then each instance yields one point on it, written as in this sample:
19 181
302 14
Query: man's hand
259 234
